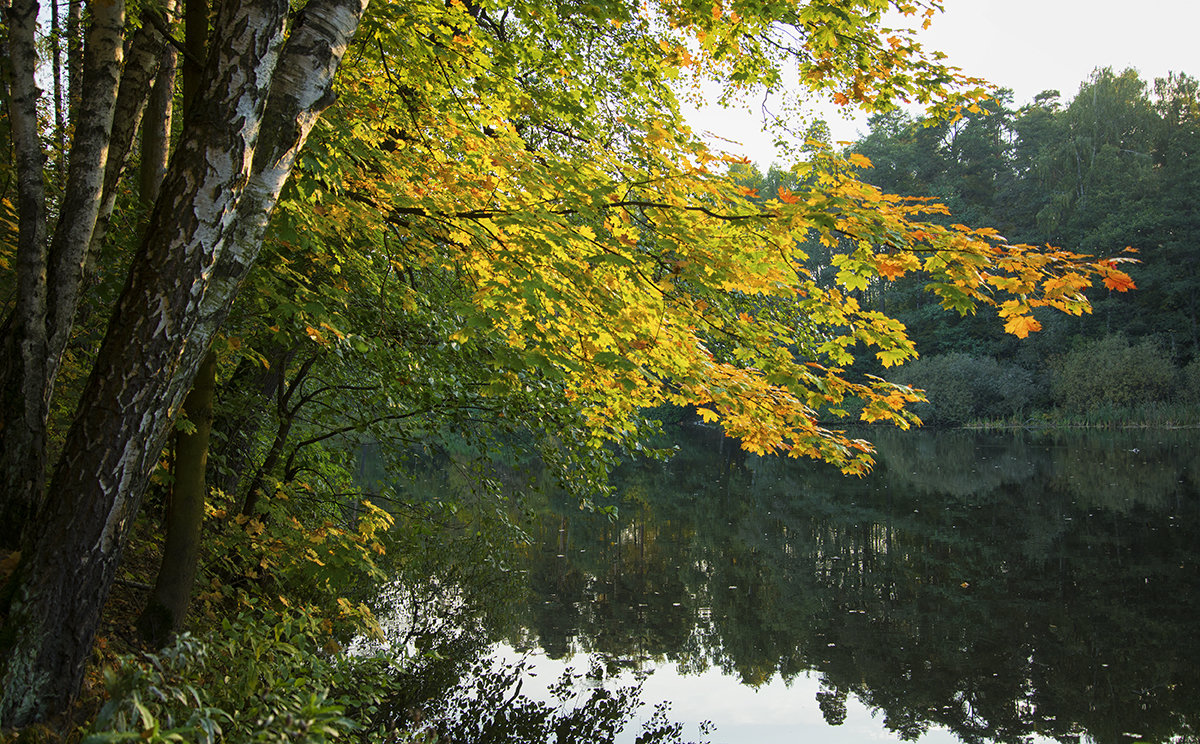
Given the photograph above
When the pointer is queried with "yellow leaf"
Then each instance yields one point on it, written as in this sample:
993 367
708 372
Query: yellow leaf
1022 325
859 160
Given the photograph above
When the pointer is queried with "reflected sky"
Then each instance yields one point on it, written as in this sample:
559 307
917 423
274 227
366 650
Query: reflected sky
773 713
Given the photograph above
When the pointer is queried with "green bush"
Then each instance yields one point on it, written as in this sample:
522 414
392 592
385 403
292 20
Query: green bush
255 680
1111 373
1189 390
263 680
963 387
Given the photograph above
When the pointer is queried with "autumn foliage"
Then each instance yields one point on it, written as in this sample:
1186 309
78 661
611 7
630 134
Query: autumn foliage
610 249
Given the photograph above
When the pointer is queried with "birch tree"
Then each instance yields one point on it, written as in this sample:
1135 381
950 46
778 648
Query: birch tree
267 78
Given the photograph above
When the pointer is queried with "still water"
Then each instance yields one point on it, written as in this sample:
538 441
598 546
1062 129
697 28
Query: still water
975 588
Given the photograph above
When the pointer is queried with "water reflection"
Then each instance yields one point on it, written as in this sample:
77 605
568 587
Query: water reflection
1000 586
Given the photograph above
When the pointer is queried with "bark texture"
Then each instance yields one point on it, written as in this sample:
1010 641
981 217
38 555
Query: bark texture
237 149
23 345
49 276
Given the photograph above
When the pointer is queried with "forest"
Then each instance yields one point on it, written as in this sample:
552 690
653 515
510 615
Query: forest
243 245
1109 169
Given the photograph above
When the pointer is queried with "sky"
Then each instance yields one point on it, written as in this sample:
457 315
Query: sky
1028 46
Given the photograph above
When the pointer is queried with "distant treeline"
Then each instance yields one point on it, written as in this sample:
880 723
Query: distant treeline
1117 166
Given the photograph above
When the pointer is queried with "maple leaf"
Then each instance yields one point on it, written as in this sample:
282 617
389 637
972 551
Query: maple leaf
859 160
890 269
1022 325
787 197
1120 281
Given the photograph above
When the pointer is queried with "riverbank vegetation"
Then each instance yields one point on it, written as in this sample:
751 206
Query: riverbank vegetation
478 232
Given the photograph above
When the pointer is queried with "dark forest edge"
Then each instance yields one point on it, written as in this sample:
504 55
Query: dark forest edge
1112 167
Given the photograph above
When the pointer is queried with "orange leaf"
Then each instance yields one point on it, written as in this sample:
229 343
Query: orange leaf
1119 281
747 191
890 269
787 197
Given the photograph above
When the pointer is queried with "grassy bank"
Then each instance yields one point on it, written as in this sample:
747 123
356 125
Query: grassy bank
1154 415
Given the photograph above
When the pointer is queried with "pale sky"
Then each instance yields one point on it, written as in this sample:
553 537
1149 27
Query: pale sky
1028 46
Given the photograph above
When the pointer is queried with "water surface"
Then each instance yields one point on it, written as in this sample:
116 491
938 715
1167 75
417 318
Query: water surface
974 587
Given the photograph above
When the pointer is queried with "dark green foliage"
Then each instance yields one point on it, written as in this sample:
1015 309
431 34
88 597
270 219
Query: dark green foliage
1114 166
1112 372
962 388
256 679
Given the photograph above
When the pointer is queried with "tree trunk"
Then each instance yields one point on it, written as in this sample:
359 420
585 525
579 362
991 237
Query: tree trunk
148 56
74 57
195 41
156 129
167 607
49 276
59 103
237 150
23 407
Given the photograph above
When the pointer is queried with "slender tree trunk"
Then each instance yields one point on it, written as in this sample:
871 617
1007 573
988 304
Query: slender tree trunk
49 276
166 609
156 128
23 395
195 41
252 117
148 57
167 605
74 57
60 109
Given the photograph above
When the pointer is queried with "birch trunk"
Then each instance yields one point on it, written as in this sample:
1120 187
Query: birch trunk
23 406
49 276
205 233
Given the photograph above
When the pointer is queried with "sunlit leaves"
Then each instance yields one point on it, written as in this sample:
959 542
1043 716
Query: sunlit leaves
529 163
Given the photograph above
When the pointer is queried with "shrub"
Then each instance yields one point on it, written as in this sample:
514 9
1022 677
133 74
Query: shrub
1189 390
962 387
1110 373
257 679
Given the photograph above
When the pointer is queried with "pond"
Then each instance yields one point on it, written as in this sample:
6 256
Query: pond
975 587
